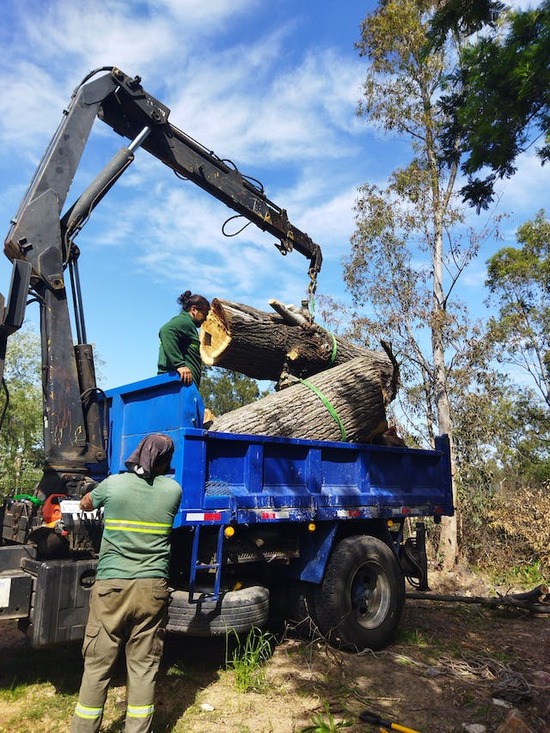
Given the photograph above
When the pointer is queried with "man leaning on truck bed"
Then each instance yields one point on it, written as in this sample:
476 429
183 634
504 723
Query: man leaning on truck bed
179 342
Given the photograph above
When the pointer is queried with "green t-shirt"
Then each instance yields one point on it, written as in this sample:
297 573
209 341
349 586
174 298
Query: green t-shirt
138 516
179 346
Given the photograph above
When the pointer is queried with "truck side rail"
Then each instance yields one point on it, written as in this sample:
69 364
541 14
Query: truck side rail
230 477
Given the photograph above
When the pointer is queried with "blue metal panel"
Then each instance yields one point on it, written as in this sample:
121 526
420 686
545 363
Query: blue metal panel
313 470
254 478
253 468
189 464
339 472
315 548
285 469
161 404
313 567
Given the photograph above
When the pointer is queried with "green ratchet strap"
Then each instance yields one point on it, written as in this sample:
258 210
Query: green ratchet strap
334 349
330 408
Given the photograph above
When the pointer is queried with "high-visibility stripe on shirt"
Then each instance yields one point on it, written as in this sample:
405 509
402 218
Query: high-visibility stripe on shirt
139 711
129 525
83 711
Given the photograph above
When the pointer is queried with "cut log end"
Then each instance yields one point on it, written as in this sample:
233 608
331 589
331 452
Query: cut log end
214 339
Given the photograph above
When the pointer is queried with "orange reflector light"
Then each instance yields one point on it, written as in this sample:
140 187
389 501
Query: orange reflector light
312 527
229 531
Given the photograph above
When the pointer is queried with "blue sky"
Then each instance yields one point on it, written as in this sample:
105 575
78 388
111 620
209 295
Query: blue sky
271 86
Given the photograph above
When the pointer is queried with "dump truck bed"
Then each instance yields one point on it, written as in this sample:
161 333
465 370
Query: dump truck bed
254 478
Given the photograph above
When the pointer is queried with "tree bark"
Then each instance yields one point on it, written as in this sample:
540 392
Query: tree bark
274 346
346 402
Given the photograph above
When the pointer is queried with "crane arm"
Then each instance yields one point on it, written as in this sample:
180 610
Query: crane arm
40 243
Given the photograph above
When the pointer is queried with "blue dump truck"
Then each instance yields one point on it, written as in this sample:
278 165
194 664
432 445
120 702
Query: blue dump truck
309 531
303 530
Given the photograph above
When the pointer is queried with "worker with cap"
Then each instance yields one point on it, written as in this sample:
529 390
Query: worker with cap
129 600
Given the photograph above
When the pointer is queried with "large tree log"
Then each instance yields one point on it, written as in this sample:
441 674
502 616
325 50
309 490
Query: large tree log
272 346
346 402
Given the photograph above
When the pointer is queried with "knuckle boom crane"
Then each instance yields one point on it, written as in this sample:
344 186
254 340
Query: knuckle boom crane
41 246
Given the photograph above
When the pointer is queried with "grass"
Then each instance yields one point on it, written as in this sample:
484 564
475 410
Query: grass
310 688
428 645
414 637
41 708
176 670
525 576
13 693
248 659
528 576
324 722
38 688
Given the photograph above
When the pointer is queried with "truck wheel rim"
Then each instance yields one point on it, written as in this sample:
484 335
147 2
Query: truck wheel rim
370 596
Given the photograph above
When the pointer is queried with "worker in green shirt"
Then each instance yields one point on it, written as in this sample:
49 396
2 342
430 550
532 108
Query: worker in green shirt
179 340
129 599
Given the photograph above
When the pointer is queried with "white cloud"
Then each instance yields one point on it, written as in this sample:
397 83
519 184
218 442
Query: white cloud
207 17
249 82
527 190
53 45
260 110
522 4
33 103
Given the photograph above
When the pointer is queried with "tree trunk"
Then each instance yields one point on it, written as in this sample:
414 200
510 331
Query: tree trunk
346 402
448 538
274 346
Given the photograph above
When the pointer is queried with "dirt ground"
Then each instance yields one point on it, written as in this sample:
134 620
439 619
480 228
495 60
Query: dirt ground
453 667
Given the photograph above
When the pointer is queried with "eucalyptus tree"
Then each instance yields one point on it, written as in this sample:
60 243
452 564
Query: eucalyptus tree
519 280
411 244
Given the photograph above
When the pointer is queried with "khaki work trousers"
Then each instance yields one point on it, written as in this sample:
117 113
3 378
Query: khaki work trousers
128 614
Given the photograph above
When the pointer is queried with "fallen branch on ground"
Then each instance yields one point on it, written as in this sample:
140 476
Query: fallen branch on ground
536 600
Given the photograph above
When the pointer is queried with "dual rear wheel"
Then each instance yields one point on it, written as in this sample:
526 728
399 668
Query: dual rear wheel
360 601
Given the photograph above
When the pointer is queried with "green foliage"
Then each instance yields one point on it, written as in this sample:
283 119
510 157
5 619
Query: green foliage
223 390
505 530
463 17
325 723
248 660
498 98
508 542
519 278
527 575
519 517
409 251
21 446
485 433
502 441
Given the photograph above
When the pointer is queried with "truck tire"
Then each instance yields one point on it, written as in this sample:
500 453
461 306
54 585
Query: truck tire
237 611
292 609
360 601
